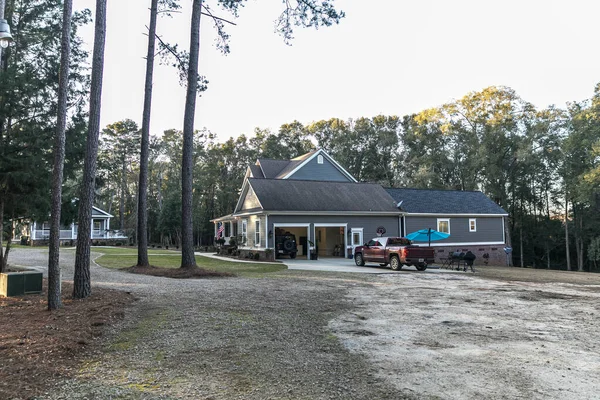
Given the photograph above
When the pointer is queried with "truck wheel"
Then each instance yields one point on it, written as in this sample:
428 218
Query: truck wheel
395 263
292 255
421 267
358 260
288 245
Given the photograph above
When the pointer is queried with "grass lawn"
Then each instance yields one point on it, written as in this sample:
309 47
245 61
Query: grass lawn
127 257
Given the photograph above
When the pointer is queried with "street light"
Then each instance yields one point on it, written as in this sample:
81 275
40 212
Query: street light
5 36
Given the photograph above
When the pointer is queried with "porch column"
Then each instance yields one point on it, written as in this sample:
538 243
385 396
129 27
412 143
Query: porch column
72 230
33 231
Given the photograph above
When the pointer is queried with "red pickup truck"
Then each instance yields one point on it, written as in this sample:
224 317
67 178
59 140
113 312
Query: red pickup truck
395 251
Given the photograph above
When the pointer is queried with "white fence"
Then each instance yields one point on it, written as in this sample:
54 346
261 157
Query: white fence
69 234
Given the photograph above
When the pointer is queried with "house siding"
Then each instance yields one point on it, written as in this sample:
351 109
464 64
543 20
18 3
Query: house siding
313 171
489 229
368 223
251 241
251 200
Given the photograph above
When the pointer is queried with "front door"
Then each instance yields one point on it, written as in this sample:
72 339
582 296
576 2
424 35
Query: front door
357 238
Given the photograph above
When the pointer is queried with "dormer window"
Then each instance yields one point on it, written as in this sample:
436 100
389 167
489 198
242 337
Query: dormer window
319 159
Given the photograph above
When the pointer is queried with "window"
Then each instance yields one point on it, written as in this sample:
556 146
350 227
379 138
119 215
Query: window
234 229
443 225
320 159
227 229
398 242
472 225
257 233
244 231
356 239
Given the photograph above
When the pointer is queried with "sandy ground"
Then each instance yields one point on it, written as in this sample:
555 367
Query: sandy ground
463 337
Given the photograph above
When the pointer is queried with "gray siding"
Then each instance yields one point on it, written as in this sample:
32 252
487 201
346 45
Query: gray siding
368 223
489 229
314 171
251 233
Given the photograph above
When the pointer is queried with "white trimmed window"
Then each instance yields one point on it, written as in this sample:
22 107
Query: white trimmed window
319 159
443 225
257 233
245 230
227 229
472 225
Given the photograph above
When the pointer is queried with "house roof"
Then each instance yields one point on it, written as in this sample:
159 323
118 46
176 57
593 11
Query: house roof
271 168
428 201
256 171
319 196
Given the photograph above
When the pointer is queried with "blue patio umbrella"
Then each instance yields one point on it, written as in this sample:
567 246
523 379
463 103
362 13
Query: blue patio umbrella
427 235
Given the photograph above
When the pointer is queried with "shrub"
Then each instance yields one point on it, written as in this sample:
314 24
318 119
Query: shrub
256 256
167 247
119 244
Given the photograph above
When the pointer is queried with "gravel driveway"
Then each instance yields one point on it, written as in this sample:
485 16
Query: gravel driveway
324 335
223 339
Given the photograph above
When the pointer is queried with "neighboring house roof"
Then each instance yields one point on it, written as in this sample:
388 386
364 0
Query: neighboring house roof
319 196
428 201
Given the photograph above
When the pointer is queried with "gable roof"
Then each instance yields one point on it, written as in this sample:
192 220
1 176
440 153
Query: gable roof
320 196
256 171
285 169
271 168
429 201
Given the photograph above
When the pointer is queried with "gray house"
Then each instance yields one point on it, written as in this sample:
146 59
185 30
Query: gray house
317 200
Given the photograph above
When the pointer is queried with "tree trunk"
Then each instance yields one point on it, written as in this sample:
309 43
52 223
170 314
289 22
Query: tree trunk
188 260
82 283
580 254
142 225
122 200
3 257
521 244
508 239
54 274
568 255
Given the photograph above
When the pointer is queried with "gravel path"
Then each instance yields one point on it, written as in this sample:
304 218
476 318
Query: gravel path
223 339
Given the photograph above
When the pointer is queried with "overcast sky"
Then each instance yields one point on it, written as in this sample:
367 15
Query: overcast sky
393 57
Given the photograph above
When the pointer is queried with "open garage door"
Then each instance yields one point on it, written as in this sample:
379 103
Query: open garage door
331 239
299 232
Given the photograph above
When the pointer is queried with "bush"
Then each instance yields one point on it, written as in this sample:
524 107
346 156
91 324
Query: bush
256 256
119 244
24 240
153 246
229 250
167 247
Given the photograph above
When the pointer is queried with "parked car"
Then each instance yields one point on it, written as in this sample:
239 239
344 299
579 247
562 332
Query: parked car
395 252
285 244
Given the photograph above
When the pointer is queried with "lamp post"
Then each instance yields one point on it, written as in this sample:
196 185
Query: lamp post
5 36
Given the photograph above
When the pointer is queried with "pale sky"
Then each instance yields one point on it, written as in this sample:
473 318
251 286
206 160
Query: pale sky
391 57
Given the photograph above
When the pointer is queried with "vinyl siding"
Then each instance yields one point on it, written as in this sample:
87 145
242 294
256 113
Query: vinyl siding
313 171
489 229
251 200
251 237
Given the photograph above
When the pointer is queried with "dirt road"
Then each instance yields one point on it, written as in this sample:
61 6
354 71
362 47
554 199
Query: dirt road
462 337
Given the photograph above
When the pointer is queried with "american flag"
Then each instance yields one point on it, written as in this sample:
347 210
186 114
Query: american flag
220 229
